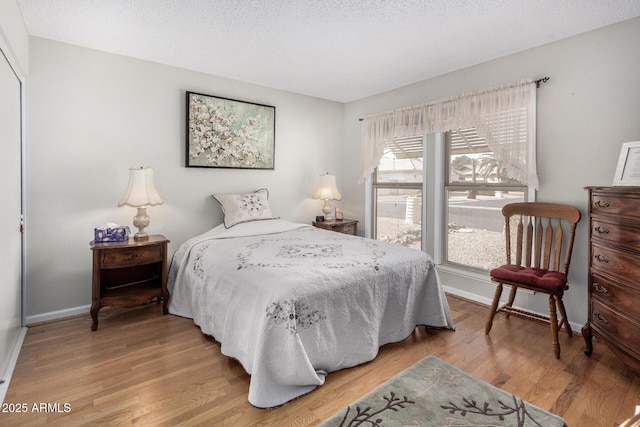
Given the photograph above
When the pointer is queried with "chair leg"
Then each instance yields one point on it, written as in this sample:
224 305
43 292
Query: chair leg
512 298
563 313
494 308
553 317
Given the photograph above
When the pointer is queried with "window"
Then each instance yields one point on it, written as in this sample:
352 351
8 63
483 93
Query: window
397 193
476 189
489 160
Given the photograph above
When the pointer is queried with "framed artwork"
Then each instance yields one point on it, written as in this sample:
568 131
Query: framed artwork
226 133
628 170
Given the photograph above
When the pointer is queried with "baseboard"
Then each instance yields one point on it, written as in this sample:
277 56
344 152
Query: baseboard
8 373
486 301
468 295
58 314
83 309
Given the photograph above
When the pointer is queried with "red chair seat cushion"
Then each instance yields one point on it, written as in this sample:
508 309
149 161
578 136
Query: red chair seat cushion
535 277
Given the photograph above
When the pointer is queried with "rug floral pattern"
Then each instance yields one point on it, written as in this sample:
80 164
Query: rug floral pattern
435 394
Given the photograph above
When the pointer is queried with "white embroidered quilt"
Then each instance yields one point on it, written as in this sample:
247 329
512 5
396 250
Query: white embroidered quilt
292 302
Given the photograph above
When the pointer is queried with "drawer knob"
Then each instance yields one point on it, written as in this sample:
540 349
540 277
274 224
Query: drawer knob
601 230
600 289
602 204
601 258
132 256
601 318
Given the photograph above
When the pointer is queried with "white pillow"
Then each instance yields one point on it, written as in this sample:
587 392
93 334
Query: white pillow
239 208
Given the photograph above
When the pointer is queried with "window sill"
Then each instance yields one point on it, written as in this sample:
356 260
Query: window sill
481 278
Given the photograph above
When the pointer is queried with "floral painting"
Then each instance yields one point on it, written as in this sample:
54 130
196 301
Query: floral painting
225 133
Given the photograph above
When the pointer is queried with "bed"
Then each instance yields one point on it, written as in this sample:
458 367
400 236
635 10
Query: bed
292 302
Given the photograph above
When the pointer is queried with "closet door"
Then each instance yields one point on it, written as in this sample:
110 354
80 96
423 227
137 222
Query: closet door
10 212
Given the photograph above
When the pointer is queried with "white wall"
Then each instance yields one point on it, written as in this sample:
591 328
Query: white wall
589 107
14 40
92 115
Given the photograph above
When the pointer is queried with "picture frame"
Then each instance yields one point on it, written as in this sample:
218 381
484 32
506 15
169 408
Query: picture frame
628 169
228 133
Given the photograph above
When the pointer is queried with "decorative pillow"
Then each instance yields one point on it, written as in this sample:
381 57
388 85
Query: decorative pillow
248 207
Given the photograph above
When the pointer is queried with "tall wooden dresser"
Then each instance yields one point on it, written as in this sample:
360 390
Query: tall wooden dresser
614 272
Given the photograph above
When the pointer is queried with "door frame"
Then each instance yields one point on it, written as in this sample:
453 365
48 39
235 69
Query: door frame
6 374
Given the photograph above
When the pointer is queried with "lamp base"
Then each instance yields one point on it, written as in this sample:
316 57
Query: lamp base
141 221
140 237
326 209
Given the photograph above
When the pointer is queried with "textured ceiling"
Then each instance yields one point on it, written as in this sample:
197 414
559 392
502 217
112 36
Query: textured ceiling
340 50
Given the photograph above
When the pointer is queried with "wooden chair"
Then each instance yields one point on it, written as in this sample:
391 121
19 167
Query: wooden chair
539 264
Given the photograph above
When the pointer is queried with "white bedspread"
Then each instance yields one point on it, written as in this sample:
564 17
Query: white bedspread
292 302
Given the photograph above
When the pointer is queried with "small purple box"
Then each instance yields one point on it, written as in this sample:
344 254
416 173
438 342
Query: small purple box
115 234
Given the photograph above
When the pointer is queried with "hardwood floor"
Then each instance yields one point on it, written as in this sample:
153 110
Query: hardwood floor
143 368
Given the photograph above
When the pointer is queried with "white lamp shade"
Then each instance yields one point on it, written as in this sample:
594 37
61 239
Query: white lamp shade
141 191
327 189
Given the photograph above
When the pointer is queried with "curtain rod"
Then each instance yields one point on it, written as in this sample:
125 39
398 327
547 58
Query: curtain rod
537 82
542 80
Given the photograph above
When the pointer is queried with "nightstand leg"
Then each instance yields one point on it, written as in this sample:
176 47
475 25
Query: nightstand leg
94 314
165 301
588 339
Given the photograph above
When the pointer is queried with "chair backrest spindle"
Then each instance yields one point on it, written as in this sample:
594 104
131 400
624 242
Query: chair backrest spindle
520 242
548 240
538 248
507 233
529 242
558 246
540 234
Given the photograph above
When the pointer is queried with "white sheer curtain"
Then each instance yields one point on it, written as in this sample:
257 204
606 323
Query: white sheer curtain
504 116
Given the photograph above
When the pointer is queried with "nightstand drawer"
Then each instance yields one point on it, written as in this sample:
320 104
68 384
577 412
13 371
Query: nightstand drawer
346 229
131 256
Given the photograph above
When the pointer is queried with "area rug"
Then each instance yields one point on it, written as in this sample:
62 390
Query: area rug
435 394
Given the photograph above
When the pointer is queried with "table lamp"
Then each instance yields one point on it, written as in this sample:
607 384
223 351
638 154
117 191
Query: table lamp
327 190
140 193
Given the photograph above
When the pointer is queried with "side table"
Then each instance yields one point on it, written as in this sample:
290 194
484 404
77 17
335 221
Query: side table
346 226
129 273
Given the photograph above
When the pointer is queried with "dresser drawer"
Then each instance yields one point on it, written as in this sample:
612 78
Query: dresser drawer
621 329
615 294
131 256
615 233
615 204
615 262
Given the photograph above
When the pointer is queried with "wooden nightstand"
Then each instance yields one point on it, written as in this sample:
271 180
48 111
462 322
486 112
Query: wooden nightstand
346 226
126 274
